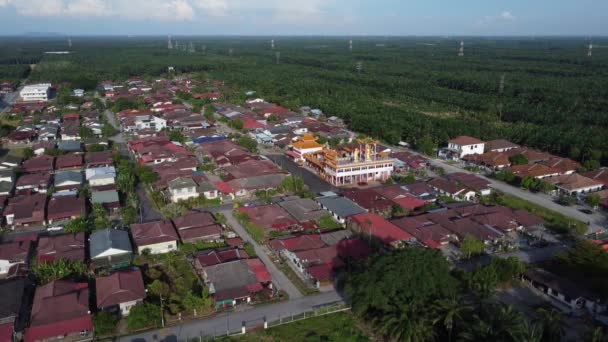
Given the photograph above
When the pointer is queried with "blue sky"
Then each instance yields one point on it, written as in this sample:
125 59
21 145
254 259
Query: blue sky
306 17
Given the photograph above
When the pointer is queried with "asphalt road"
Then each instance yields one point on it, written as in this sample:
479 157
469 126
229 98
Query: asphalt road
278 278
232 322
597 220
315 184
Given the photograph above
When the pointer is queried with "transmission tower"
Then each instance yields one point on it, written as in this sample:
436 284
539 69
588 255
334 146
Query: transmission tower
70 42
230 52
350 45
461 51
359 67
191 48
272 44
501 87
204 49
278 57
169 43
176 45
590 52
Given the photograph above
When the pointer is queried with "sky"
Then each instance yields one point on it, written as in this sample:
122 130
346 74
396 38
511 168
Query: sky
306 17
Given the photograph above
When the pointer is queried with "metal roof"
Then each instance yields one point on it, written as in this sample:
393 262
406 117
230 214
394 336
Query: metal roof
102 240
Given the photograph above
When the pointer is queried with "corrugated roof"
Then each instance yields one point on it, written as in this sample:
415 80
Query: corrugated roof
102 240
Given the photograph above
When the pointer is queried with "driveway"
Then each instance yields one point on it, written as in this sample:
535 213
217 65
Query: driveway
232 321
278 278
147 211
315 184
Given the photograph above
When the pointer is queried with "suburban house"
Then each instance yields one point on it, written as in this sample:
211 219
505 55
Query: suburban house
100 176
217 256
452 189
271 217
371 200
600 175
380 229
69 146
183 188
235 282
25 210
574 184
462 146
198 226
157 237
12 308
35 182
340 207
492 160
68 246
107 198
65 208
98 159
304 210
60 310
13 256
120 291
38 164
69 162
500 145
538 171
563 291
565 165
67 182
288 245
110 248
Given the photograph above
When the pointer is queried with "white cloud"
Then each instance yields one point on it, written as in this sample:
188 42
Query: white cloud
87 8
507 15
489 20
213 7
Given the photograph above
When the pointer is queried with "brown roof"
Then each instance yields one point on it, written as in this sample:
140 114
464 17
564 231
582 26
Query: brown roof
563 164
58 301
574 182
34 179
61 207
465 141
26 208
120 287
98 158
68 161
38 164
15 251
193 219
210 232
150 233
369 199
68 247
600 175
500 144
533 170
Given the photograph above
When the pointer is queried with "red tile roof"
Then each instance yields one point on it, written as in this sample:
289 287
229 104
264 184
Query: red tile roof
150 233
215 257
62 207
68 161
409 203
120 287
60 308
299 243
380 228
39 164
269 216
68 246
259 269
465 141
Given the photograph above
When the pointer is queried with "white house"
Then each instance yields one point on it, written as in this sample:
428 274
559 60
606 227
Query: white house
182 188
157 237
147 122
464 145
79 92
36 92
100 176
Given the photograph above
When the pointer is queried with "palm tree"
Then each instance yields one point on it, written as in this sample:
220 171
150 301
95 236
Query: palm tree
530 332
552 322
499 323
448 312
597 335
401 323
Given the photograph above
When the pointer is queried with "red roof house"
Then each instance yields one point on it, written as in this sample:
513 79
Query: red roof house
157 237
98 159
39 164
65 207
68 161
25 210
69 247
61 309
271 217
197 226
120 290
379 228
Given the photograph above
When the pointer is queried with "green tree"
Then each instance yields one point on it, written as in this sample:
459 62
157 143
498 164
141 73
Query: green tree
77 225
248 143
397 211
518 159
99 217
471 246
46 272
552 322
28 153
236 124
593 200
591 165
86 133
209 113
176 135
96 148
426 145
128 215
159 289
448 312
104 323
396 290
145 174
108 130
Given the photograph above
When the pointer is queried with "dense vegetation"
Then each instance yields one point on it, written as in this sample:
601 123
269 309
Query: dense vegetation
543 93
412 295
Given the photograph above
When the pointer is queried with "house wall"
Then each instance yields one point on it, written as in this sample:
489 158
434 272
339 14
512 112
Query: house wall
126 307
467 149
581 190
183 194
211 194
159 248
101 181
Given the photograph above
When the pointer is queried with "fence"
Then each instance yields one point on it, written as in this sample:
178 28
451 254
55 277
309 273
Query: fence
262 323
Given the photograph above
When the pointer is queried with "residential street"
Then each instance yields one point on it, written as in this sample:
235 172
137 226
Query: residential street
278 278
251 316
314 183
597 220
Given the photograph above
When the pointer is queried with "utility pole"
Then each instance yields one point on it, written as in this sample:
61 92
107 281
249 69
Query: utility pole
162 317
169 43
461 51
272 44
350 45
359 67
590 52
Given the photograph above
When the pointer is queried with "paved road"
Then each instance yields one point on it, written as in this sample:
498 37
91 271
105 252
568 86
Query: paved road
253 317
278 278
8 100
315 184
597 220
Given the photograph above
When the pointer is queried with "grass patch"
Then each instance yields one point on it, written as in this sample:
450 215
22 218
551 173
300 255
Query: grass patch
556 222
295 280
328 223
334 327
